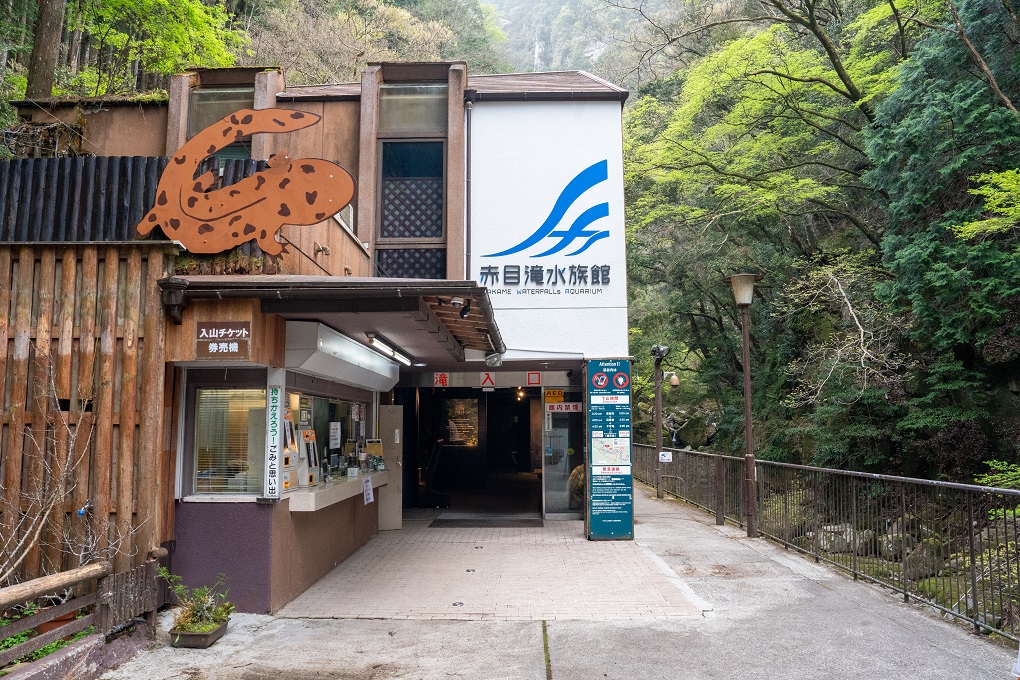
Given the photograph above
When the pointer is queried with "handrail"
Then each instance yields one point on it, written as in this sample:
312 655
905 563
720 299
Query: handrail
854 473
947 544
23 592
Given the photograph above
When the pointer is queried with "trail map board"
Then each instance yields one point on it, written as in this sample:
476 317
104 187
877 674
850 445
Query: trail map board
610 483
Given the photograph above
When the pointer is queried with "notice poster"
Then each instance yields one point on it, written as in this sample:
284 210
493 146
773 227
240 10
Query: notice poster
610 482
336 439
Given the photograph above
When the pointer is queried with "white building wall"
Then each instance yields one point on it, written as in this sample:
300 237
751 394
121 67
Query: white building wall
547 191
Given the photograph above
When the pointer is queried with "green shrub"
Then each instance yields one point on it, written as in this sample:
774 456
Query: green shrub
201 609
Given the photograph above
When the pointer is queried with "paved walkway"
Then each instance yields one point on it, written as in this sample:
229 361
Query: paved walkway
495 574
747 609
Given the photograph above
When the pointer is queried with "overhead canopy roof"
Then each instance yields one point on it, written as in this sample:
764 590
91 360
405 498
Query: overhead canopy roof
421 317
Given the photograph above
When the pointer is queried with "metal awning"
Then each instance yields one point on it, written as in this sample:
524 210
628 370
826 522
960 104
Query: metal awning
431 321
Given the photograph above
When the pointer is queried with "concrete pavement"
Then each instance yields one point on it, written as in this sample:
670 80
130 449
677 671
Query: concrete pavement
764 613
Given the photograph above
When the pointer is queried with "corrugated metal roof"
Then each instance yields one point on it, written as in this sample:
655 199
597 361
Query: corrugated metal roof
550 85
553 85
87 199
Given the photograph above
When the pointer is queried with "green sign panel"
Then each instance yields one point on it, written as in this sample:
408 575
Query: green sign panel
610 482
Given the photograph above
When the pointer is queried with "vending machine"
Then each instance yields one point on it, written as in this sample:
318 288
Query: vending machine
291 453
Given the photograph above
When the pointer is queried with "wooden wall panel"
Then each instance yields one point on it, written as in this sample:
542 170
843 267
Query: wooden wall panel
128 405
82 369
306 259
151 454
16 406
102 455
40 401
5 308
268 331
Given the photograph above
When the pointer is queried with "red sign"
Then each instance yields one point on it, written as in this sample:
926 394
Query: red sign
441 380
534 378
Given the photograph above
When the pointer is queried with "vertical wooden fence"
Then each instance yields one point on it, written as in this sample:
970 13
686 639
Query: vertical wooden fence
81 389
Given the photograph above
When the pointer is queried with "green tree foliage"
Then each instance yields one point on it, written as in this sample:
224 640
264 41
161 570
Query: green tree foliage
835 147
112 47
154 36
334 42
477 37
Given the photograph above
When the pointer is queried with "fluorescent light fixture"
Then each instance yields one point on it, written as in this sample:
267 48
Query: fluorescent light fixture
383 347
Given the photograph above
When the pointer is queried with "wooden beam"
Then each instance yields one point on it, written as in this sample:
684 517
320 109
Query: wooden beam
40 403
151 454
7 519
103 453
128 410
30 590
81 451
19 385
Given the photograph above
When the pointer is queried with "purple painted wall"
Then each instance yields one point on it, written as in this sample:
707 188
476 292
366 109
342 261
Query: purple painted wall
229 538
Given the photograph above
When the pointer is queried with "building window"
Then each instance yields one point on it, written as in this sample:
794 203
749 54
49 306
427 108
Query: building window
415 108
412 263
230 440
412 234
206 107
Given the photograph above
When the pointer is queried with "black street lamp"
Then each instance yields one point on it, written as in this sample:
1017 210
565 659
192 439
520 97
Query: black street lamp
743 293
659 352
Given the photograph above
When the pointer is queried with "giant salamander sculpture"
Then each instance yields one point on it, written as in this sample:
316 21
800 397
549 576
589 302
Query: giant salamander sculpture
298 192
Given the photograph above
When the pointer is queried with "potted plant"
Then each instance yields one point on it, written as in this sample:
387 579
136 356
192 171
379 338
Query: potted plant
202 615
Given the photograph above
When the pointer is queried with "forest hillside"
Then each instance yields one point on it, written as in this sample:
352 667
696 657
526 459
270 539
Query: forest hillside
860 156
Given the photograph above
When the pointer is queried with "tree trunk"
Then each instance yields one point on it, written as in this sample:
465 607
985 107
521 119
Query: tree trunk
23 35
8 6
74 52
49 29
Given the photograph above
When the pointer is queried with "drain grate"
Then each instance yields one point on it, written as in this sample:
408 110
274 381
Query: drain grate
488 523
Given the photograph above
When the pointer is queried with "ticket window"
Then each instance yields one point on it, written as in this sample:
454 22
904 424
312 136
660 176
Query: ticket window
563 451
329 416
333 421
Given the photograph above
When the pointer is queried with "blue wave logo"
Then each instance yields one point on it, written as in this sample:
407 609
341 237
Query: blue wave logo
584 180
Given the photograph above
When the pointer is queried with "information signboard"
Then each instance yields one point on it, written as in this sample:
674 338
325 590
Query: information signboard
610 482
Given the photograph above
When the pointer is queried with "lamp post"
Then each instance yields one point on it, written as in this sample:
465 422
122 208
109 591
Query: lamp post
659 352
743 292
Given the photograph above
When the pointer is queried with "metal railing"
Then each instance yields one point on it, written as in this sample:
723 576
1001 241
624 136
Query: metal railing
955 547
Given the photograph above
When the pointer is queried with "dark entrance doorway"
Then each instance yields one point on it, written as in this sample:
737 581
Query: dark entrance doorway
472 451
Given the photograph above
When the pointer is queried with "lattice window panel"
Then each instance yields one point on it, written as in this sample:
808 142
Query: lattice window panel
412 207
412 263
